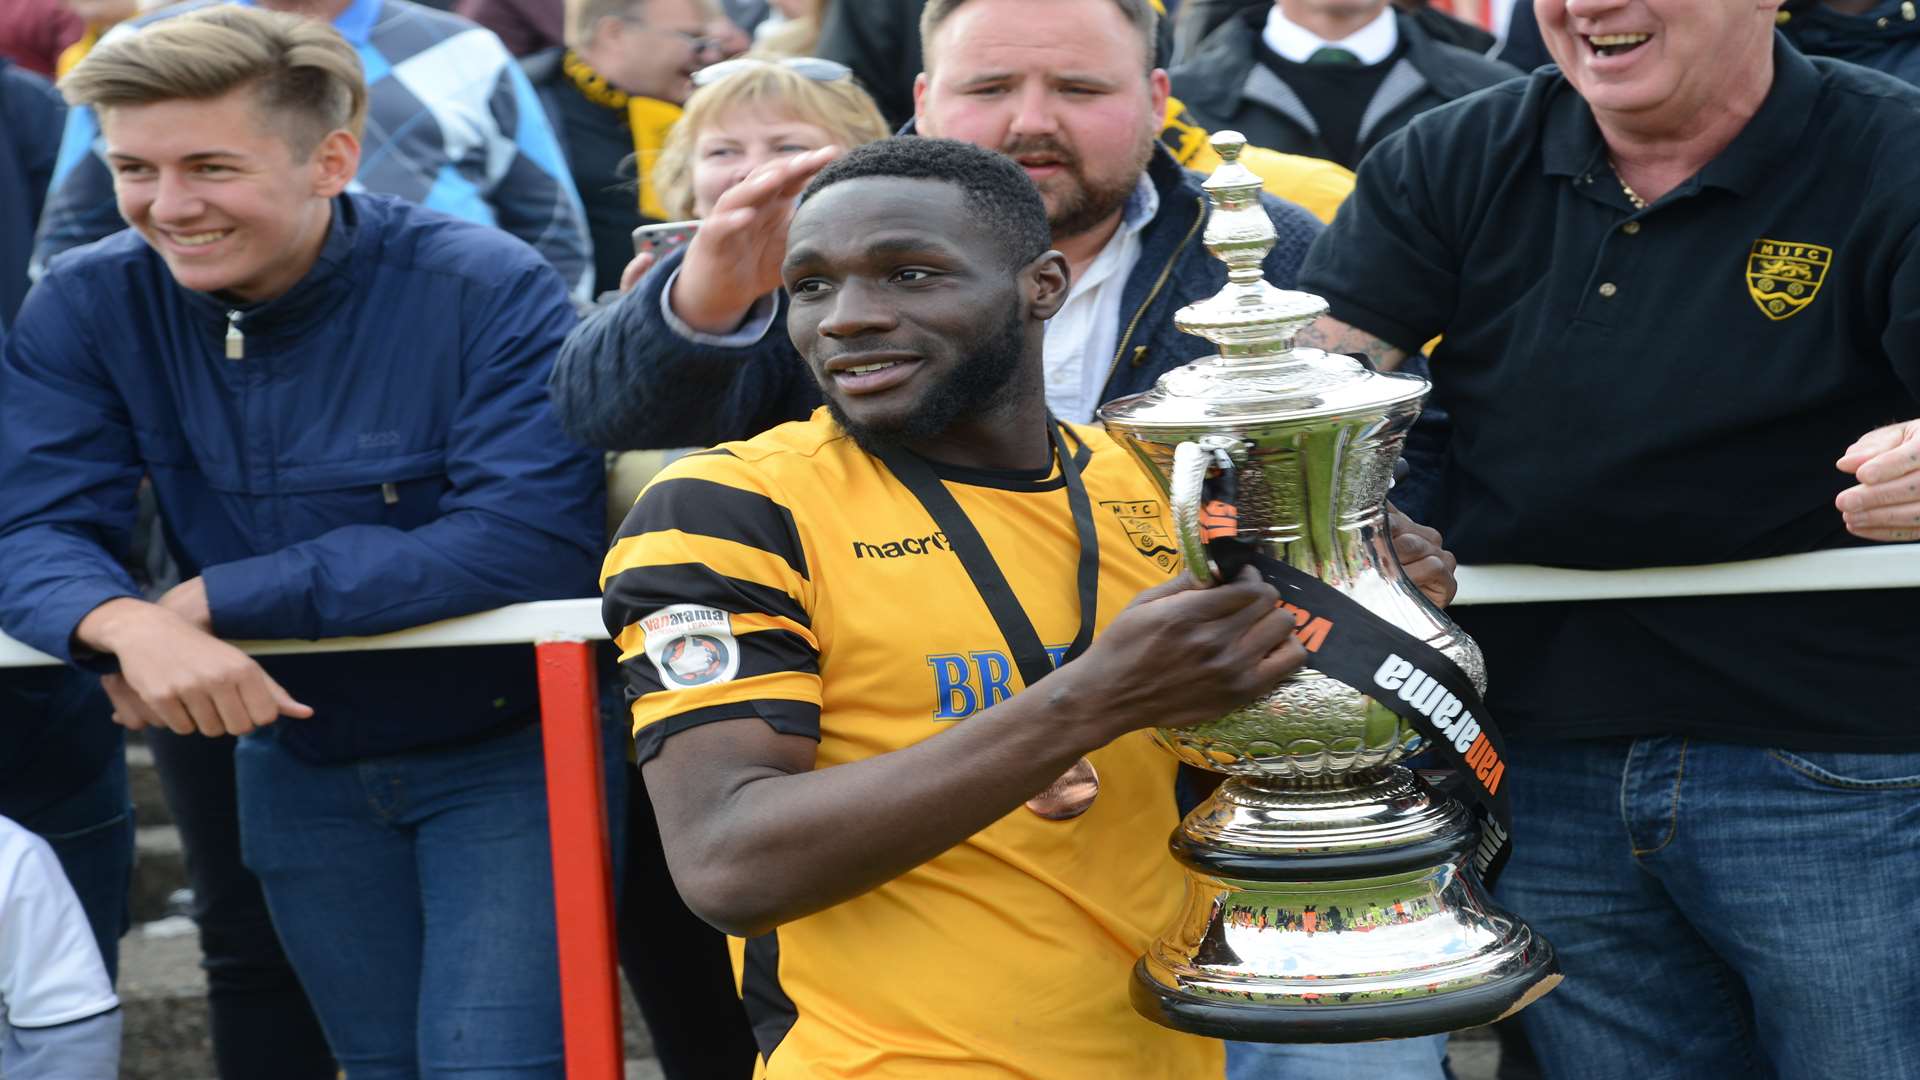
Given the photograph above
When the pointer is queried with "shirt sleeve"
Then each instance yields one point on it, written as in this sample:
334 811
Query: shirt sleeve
50 967
1901 338
1385 265
69 473
708 599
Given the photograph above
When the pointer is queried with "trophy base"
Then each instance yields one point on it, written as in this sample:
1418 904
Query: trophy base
1337 911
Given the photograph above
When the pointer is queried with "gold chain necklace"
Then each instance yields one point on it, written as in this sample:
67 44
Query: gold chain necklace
1632 195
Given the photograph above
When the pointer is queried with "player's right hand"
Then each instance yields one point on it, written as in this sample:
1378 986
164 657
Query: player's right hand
735 258
1182 654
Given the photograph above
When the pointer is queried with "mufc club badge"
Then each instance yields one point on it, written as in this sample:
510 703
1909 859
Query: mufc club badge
1146 527
1783 277
691 645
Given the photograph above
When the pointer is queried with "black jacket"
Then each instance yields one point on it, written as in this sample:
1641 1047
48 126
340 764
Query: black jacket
1225 86
30 118
626 381
1885 38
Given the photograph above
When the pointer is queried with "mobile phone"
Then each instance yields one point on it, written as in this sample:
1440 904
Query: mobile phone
663 237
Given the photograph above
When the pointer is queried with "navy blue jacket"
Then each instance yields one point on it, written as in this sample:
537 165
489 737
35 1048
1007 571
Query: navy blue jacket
1885 38
626 381
30 119
382 456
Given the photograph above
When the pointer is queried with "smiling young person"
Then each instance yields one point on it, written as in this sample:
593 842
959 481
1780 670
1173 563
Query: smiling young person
329 463
1672 274
862 787
448 130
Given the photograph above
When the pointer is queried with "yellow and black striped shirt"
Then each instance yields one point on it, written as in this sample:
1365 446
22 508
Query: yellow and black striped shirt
793 578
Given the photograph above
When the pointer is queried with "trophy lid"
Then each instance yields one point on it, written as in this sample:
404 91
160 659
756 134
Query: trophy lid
1258 376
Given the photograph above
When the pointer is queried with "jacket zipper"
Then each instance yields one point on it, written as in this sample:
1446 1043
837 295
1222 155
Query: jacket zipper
236 341
1165 272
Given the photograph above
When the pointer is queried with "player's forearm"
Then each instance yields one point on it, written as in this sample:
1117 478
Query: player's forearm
767 847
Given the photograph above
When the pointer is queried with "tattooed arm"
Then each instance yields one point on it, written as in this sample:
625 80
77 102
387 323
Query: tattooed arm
1335 336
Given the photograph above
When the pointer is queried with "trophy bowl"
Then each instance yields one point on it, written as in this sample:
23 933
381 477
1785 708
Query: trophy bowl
1330 894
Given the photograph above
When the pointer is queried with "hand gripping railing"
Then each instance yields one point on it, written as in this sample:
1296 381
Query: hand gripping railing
576 796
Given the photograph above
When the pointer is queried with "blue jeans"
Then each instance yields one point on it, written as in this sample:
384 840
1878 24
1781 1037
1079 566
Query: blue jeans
1397 1059
1719 910
414 895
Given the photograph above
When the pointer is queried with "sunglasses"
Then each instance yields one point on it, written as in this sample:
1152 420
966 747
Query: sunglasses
807 67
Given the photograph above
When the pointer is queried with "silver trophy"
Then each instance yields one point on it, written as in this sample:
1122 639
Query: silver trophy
1330 897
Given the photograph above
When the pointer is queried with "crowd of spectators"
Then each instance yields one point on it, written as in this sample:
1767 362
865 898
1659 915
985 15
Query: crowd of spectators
326 318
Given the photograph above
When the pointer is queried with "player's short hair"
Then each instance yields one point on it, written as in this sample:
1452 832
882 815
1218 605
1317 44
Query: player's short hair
1140 14
1002 198
300 70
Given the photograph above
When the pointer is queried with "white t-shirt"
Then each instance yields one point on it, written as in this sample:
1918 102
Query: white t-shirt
50 967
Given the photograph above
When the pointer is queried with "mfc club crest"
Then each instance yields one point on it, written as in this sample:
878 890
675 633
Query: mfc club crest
1783 277
1146 526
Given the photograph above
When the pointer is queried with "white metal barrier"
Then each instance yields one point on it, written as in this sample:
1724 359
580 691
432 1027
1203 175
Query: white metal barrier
1883 566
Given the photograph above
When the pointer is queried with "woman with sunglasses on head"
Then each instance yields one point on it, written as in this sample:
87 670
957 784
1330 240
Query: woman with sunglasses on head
745 113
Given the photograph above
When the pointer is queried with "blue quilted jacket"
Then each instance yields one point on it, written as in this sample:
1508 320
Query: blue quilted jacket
380 453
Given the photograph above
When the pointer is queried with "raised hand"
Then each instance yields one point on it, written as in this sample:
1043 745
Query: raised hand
735 257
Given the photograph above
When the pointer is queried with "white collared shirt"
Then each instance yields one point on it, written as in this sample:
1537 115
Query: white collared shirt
1371 43
1082 335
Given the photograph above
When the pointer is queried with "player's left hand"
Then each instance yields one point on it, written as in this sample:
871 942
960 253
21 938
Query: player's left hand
1427 562
1885 504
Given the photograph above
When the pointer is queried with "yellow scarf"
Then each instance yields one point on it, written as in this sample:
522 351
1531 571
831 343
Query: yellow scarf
647 118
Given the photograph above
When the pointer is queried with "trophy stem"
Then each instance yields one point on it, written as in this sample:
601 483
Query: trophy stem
1335 910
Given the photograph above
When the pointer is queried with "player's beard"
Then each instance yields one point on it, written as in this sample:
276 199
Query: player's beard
987 379
1077 202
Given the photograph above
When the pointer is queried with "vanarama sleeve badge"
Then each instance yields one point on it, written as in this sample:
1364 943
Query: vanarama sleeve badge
691 645
1783 277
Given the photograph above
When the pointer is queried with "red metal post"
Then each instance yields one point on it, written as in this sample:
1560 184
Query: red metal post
582 864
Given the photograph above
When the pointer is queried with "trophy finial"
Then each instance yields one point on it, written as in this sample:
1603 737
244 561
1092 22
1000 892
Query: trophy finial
1249 317
1228 145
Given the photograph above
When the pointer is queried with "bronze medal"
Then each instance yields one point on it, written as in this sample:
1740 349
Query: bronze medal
1070 795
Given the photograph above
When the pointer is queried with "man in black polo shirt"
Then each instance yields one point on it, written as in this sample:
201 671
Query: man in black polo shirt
1678 284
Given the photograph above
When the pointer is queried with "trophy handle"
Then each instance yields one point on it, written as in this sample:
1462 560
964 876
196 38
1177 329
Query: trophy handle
1186 496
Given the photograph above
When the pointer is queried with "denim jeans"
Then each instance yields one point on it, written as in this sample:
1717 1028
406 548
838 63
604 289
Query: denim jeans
1719 910
414 895
261 1022
91 832
1396 1059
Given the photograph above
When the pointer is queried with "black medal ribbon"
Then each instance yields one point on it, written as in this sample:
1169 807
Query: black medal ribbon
1029 655
1418 682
